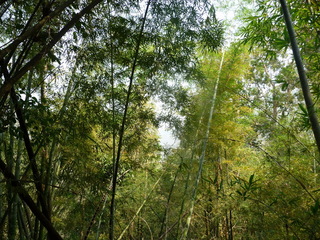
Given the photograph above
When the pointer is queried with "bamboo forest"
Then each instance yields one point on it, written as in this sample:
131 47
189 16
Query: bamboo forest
159 119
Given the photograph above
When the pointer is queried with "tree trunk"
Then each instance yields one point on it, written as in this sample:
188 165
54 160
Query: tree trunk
122 128
24 195
10 194
165 215
201 159
302 74
230 231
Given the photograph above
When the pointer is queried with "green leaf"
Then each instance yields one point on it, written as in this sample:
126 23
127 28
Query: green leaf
303 109
315 208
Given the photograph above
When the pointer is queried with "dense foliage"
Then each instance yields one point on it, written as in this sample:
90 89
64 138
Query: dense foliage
80 155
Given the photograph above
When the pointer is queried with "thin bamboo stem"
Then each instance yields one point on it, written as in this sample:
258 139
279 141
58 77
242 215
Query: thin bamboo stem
140 208
201 160
122 128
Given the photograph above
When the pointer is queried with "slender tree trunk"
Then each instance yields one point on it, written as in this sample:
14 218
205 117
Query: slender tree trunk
164 219
302 74
28 220
16 200
230 232
20 227
100 218
97 211
24 195
227 225
113 119
11 217
45 168
184 199
193 147
140 208
37 228
204 147
122 128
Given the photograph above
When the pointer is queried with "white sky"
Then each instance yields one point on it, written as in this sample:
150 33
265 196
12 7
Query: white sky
167 140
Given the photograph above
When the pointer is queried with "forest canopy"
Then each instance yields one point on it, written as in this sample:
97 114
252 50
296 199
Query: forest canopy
80 89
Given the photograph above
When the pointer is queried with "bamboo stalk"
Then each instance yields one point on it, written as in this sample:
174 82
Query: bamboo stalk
122 128
140 208
302 74
204 147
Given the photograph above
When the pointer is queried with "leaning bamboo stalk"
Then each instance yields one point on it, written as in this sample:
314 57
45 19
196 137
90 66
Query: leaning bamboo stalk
163 224
9 83
204 147
24 195
302 74
186 186
140 208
